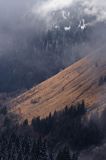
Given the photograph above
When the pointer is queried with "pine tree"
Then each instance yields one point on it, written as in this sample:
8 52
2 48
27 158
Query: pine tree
64 155
34 151
59 156
75 156
51 156
20 156
43 154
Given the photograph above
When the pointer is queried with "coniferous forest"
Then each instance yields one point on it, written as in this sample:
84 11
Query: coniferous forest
52 54
60 136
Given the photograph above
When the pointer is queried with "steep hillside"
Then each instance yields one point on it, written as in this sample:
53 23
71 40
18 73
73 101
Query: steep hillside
77 82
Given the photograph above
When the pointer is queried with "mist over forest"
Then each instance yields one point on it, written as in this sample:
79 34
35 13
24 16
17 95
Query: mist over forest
37 40
61 43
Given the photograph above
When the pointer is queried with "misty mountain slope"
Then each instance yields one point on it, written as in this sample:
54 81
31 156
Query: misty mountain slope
40 38
79 81
40 57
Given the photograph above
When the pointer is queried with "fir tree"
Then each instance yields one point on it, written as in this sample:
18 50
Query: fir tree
43 154
20 156
34 151
64 155
75 156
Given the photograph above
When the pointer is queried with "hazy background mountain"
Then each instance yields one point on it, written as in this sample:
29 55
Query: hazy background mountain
40 38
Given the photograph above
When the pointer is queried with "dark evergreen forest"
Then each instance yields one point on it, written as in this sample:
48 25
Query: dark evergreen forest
60 136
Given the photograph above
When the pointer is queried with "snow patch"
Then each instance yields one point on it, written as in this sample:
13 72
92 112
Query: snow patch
67 28
82 24
56 27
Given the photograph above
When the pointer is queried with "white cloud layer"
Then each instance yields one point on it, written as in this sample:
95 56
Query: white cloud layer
93 7
51 5
54 4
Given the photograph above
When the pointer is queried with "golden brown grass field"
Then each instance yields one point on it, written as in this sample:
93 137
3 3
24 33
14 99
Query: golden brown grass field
75 83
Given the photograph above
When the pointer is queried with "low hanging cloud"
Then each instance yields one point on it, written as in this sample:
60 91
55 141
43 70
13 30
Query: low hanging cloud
23 18
95 7
24 25
51 5
91 7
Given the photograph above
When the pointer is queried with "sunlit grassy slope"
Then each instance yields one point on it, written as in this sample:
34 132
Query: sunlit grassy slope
77 82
